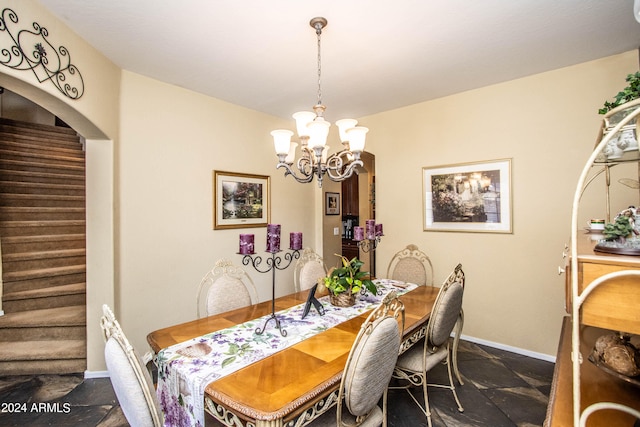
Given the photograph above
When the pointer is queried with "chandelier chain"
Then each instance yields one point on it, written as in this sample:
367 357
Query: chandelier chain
314 162
318 33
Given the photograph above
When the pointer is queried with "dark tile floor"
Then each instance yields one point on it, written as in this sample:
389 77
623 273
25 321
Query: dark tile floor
501 389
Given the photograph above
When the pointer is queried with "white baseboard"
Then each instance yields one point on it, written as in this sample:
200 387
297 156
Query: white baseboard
535 355
96 374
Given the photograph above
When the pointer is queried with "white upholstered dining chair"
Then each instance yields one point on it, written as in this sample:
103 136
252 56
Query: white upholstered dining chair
368 370
414 365
131 381
309 268
414 266
411 265
224 288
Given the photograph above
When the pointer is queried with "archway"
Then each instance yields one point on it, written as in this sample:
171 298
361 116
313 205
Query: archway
100 220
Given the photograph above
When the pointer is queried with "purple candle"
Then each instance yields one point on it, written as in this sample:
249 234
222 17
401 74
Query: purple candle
358 234
370 227
295 241
379 230
246 244
273 238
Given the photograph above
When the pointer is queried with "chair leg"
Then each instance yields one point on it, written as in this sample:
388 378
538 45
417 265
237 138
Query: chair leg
456 341
384 407
452 386
426 402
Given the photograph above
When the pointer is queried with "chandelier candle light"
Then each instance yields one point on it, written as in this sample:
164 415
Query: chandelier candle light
313 130
272 264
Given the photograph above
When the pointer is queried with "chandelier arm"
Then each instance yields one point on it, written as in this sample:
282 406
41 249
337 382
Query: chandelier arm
337 170
302 178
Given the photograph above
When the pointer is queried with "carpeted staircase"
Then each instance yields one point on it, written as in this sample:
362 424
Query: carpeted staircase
42 235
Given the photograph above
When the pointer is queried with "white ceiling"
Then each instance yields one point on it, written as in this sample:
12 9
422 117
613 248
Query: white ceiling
376 54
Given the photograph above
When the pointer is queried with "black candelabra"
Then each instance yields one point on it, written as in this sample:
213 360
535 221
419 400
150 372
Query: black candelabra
368 245
272 264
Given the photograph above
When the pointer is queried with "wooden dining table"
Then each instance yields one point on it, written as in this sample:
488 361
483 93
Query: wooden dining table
299 382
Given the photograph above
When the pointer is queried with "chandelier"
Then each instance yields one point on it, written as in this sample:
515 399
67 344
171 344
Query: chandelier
313 130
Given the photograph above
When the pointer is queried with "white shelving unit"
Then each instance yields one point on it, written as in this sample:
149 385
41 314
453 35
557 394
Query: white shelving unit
616 121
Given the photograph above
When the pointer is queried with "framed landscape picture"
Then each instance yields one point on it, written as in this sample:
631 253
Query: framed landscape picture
240 200
473 197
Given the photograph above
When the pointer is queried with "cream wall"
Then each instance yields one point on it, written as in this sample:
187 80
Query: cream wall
171 141
547 124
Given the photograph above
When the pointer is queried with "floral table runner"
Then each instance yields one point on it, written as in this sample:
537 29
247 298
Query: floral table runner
185 369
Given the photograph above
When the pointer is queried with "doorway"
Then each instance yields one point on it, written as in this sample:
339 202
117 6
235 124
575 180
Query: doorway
357 204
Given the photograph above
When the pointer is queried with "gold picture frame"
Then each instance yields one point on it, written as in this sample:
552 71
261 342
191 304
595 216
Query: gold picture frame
241 200
469 197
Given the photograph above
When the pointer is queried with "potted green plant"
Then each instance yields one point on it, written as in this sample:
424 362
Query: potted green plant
629 93
346 281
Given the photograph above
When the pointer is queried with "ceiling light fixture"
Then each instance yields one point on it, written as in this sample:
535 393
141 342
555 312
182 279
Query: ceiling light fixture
313 130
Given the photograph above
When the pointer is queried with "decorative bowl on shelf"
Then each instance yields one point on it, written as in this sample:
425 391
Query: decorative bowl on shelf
615 354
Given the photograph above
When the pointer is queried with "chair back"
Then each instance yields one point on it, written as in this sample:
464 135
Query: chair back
446 309
372 358
309 268
411 265
131 381
224 288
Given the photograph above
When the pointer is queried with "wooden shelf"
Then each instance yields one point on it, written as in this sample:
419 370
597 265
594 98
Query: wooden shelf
595 385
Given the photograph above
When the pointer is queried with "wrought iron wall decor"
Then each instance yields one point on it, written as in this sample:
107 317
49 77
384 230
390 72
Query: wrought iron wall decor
24 49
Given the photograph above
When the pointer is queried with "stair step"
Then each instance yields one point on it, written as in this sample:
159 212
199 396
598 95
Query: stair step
40 357
43 272
71 289
37 299
48 158
44 367
38 255
51 324
36 145
12 187
42 350
43 334
34 200
46 318
43 278
42 177
34 166
18 244
29 128
43 259
36 213
31 228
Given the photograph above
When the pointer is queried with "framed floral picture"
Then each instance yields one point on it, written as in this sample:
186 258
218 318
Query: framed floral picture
240 200
472 197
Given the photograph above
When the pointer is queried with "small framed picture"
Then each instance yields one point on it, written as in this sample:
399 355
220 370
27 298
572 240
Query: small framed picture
311 300
240 200
471 197
332 203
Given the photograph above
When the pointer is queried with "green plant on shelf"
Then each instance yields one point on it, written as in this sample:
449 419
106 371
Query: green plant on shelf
629 93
